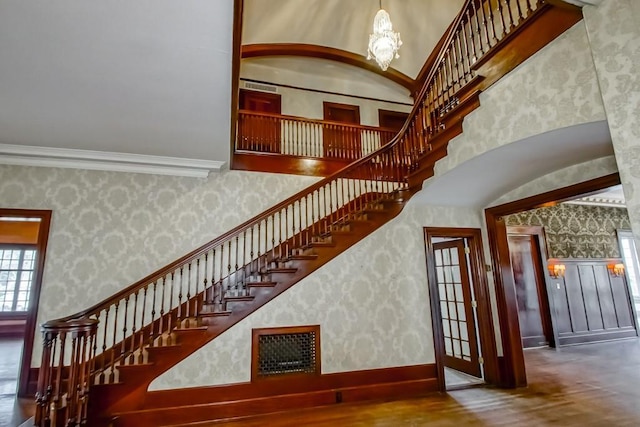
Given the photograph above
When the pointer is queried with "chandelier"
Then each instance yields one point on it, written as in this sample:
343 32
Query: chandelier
383 42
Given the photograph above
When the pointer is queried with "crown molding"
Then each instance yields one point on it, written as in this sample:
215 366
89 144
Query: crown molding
583 3
27 155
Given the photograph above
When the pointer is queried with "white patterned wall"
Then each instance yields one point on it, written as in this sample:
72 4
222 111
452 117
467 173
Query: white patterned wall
110 229
614 35
545 93
372 304
554 89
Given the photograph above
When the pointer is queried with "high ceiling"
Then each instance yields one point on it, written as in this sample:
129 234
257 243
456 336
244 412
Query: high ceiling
145 85
153 77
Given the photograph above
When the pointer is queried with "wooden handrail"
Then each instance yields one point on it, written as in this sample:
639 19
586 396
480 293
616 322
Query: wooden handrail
313 121
117 329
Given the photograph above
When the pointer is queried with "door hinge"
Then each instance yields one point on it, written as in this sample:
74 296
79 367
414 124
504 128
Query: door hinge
481 360
467 250
474 304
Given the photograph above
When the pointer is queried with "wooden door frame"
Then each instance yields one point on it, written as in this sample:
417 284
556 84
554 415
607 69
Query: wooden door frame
539 237
512 366
481 292
32 315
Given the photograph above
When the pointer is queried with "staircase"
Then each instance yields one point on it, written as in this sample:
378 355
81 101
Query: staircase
97 364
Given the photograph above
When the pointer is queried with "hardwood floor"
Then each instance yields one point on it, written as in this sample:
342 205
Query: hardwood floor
588 385
13 411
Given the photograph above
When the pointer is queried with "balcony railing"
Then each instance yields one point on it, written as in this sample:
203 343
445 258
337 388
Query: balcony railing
297 136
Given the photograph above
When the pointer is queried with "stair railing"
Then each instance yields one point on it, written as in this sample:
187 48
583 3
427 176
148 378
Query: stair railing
87 348
298 136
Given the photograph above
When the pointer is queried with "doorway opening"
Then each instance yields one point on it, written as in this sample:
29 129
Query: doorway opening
23 242
464 342
557 285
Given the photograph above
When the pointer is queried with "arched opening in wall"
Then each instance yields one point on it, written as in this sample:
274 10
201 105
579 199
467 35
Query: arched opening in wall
464 342
23 243
556 261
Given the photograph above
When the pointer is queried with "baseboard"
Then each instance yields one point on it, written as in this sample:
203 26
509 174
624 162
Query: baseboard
240 400
598 336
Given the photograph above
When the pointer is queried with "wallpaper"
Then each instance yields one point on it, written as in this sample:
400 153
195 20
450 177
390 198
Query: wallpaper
614 35
555 88
110 229
577 231
371 302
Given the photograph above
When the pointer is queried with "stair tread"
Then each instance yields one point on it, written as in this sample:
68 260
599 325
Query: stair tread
215 313
258 284
280 270
191 328
239 298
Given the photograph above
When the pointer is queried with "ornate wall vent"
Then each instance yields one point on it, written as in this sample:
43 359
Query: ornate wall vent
285 351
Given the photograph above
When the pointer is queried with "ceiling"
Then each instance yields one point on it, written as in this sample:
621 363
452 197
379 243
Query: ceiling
515 164
145 85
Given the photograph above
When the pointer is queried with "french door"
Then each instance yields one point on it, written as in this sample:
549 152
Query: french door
456 307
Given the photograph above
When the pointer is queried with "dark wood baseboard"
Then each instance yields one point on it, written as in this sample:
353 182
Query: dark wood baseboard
240 400
596 336
32 382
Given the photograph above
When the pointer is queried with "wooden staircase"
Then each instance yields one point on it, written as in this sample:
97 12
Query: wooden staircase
97 364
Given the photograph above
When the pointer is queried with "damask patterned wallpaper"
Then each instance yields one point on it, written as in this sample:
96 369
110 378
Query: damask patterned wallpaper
371 302
614 36
555 88
379 285
110 229
577 231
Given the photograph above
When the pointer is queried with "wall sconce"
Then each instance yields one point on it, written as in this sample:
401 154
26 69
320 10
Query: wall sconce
616 270
556 270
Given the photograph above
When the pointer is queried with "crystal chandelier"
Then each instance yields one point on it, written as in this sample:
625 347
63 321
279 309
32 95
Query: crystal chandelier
383 42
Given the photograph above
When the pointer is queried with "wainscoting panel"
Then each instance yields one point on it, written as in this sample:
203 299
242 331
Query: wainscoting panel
590 304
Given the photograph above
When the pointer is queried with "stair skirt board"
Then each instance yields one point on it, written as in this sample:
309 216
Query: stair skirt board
180 406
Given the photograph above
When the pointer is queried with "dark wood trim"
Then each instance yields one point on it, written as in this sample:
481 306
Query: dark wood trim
328 106
255 350
481 292
327 53
238 7
328 92
295 165
514 374
237 400
540 261
36 287
383 115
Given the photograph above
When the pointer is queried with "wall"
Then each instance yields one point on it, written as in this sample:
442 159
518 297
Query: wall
554 89
346 83
371 303
614 37
577 231
110 229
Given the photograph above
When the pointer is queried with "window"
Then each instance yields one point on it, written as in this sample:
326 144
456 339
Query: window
630 256
16 275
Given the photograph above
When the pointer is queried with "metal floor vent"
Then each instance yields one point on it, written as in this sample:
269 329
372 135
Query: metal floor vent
282 353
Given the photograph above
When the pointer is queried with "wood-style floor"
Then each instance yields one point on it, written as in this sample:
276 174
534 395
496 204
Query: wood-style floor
13 411
588 385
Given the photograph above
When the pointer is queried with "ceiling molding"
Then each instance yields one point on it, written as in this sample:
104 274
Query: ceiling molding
328 53
26 155
583 3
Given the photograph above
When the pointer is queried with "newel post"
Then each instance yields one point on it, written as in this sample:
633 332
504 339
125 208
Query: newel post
65 372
